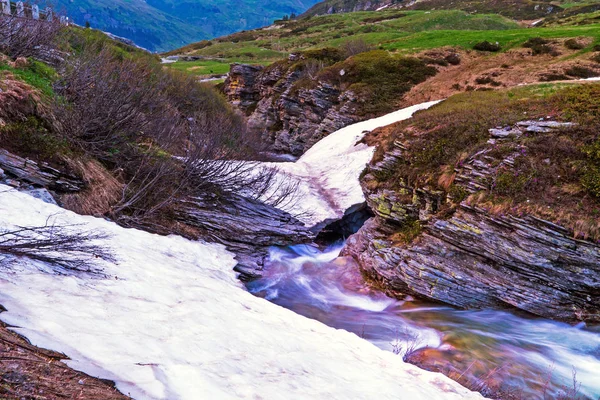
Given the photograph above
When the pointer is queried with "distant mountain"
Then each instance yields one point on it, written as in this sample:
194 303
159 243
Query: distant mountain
345 6
161 25
516 9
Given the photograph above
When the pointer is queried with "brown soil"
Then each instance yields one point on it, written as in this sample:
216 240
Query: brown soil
28 372
487 71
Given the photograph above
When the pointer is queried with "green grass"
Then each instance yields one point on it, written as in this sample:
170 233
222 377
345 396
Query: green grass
507 38
209 67
36 74
264 46
404 32
376 27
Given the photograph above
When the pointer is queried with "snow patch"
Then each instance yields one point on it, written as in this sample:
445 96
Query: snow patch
170 321
328 173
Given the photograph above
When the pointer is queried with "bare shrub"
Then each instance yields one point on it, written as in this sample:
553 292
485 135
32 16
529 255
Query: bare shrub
356 46
24 37
64 245
407 343
104 103
164 135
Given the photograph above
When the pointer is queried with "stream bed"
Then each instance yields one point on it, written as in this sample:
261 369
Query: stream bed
496 352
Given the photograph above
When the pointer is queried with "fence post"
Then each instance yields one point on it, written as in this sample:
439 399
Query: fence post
20 9
6 7
35 11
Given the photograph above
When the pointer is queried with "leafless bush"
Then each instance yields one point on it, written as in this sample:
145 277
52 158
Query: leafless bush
162 133
63 245
25 37
313 67
356 46
107 104
407 344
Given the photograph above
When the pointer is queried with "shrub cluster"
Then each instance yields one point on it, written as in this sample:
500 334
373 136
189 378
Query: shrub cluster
21 37
539 46
487 46
378 78
574 44
579 71
591 177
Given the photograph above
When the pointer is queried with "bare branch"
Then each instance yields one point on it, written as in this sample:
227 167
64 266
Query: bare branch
63 245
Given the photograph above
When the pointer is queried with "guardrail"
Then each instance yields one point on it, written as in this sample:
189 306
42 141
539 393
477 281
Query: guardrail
30 11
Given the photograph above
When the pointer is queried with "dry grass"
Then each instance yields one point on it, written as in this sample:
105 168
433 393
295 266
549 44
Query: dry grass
102 190
28 372
17 98
506 69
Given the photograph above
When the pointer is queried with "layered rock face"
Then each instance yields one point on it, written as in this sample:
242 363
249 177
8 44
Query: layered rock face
472 258
288 115
246 227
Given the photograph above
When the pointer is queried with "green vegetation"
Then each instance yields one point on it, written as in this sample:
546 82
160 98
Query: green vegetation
506 38
33 138
591 177
210 67
404 32
35 73
555 175
378 78
161 25
487 46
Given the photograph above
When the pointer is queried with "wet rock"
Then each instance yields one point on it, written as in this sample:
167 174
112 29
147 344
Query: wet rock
474 260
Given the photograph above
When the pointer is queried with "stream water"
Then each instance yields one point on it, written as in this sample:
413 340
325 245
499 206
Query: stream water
526 357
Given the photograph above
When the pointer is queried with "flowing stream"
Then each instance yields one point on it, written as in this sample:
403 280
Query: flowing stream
526 357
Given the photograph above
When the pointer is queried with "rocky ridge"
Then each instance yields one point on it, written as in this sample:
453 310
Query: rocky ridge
288 116
469 257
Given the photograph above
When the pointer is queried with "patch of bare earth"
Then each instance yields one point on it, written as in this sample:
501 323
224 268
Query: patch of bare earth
31 373
488 71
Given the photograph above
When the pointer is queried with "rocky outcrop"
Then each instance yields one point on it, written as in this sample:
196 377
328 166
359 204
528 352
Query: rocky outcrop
469 257
246 227
15 170
241 86
288 109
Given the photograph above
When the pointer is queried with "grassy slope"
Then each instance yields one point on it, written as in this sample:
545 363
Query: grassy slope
556 175
266 45
517 9
398 31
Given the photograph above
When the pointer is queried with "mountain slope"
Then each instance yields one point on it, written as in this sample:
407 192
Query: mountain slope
517 9
160 25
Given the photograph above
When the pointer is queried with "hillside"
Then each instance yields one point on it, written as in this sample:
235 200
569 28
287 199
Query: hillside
517 9
160 25
397 31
